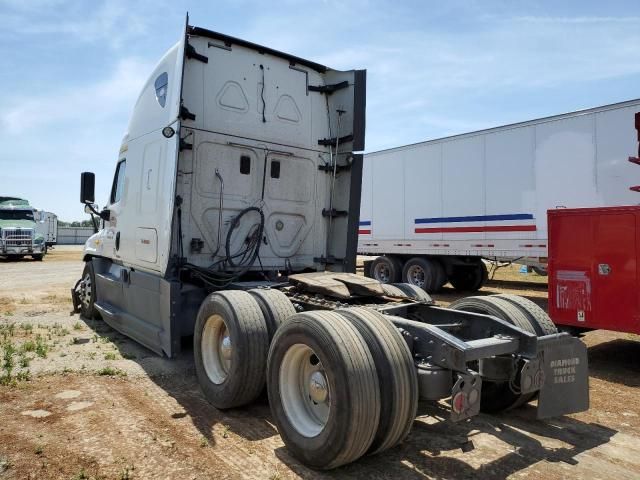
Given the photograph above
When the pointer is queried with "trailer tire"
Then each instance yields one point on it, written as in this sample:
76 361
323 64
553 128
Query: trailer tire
543 272
538 318
497 396
396 374
386 269
413 292
230 346
338 424
87 292
469 278
275 306
421 272
441 275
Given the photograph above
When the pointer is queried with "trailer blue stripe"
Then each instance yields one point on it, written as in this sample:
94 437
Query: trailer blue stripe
365 222
477 218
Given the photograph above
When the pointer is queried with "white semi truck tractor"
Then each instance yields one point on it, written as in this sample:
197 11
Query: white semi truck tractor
233 218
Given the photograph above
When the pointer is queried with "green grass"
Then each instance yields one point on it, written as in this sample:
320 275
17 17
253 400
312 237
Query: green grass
110 356
111 372
41 348
24 360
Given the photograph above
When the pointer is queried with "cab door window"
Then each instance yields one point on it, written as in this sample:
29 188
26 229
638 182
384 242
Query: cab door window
118 182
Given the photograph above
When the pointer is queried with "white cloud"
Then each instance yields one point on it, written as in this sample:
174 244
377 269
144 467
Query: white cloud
86 105
113 23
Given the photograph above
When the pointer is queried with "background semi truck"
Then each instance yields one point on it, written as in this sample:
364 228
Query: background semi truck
47 226
18 233
233 218
432 210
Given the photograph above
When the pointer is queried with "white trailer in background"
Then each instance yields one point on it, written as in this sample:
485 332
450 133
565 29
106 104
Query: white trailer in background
433 210
47 226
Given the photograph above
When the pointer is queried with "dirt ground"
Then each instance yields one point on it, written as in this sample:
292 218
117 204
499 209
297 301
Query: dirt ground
78 401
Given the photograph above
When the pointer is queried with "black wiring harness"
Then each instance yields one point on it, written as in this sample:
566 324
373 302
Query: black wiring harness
215 276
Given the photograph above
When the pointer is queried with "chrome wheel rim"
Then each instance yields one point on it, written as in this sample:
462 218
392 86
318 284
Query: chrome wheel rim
216 348
382 273
304 390
85 291
415 276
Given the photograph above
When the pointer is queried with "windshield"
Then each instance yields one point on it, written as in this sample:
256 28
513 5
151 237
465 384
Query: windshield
16 215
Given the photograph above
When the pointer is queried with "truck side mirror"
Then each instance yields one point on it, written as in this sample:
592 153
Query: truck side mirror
87 187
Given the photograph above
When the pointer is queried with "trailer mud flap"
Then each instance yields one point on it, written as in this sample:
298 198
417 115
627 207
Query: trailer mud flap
566 376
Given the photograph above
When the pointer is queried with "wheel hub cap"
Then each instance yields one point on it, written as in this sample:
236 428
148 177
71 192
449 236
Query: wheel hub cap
305 390
318 387
416 276
225 348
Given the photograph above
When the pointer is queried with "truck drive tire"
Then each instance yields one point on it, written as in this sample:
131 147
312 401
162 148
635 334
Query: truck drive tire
469 278
421 272
38 257
536 315
386 269
392 290
497 396
87 292
275 305
396 375
413 292
323 389
230 346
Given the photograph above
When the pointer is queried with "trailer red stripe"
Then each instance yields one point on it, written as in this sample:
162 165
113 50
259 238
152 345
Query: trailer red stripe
364 232
479 229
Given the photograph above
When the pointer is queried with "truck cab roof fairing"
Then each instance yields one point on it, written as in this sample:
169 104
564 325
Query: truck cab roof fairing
228 41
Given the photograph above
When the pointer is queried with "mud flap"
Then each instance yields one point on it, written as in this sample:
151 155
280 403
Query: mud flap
74 297
565 388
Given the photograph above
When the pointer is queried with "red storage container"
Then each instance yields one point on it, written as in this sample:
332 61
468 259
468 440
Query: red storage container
593 268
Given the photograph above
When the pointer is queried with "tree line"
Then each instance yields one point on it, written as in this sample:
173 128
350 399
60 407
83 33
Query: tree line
83 223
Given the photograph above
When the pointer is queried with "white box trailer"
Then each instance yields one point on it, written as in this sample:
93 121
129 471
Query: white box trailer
47 225
433 210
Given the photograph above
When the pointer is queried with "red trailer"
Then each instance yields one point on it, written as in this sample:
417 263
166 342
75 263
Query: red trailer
593 268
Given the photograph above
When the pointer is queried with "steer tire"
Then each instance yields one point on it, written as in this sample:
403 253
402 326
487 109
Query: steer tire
352 384
244 379
497 396
396 375
413 292
275 305
538 318
88 309
383 264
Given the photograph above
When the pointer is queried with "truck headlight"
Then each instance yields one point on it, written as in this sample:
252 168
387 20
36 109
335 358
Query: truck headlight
39 240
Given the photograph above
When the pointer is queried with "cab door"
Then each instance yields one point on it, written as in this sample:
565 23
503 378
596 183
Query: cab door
117 204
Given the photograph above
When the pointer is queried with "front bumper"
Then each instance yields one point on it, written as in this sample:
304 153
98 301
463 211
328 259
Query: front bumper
34 249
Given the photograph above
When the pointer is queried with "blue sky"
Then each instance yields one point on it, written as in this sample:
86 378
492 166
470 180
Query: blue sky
70 70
